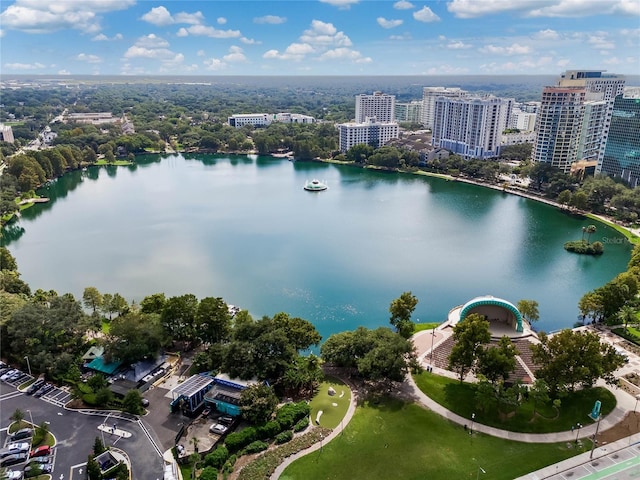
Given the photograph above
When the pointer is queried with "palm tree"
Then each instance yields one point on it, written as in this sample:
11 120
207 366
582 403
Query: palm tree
590 229
626 314
17 416
584 230
195 442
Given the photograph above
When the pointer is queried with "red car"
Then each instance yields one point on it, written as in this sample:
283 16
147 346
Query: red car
40 451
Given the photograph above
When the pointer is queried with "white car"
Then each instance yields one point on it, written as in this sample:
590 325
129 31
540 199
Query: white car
218 428
8 374
22 446
12 475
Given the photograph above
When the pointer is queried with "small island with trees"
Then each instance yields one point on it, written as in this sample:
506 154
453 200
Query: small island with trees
583 246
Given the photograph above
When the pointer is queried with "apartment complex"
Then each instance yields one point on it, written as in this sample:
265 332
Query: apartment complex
379 107
264 119
574 117
429 96
6 133
409 112
622 152
370 133
471 126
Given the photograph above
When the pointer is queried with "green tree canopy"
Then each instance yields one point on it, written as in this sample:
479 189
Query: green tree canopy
257 403
470 335
401 309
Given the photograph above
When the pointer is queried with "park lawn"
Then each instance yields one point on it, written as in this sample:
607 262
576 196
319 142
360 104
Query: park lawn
332 414
394 439
106 327
419 327
460 398
102 161
630 236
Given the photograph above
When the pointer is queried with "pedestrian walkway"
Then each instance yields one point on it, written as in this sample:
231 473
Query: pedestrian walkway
113 430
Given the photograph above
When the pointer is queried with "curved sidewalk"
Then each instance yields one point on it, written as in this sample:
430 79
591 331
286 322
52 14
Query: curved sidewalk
336 431
624 404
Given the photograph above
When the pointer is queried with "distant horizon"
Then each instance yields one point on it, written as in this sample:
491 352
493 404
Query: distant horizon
318 37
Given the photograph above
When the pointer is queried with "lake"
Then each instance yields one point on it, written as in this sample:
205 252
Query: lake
243 228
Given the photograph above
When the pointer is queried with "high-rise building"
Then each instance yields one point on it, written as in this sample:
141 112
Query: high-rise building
369 133
471 126
409 112
429 95
6 133
573 121
622 151
379 107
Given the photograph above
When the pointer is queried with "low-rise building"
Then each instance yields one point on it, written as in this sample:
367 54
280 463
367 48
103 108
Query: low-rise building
264 119
370 132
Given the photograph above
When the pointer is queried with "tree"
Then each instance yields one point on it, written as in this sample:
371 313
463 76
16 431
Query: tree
153 303
213 321
97 381
539 393
257 403
107 304
17 416
93 469
98 447
7 261
571 358
118 304
627 314
92 298
132 402
497 362
579 200
529 310
470 334
591 229
135 336
104 397
564 198
401 309
303 375
178 317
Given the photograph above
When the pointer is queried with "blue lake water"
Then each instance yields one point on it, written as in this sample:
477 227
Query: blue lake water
244 229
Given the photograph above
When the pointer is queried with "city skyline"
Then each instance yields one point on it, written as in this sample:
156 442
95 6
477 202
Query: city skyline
323 37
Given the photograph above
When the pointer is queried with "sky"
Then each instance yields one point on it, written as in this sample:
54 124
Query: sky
318 37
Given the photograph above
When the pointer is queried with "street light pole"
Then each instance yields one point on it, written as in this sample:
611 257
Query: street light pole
579 425
28 365
31 417
595 437
473 416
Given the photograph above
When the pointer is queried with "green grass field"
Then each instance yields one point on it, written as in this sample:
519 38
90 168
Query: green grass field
114 163
397 440
419 327
460 398
334 407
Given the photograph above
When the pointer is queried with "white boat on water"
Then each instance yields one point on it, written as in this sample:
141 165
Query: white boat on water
315 186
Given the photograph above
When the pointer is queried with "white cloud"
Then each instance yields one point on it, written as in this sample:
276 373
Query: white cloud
446 69
342 4
543 8
547 34
161 17
249 41
83 57
322 33
270 19
563 62
64 72
206 31
235 55
152 41
529 65
101 37
221 20
158 16
514 49
404 36
457 45
403 5
343 53
426 15
200 53
384 23
24 66
215 64
35 16
601 41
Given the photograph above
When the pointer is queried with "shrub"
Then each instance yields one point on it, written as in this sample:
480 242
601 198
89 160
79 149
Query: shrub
268 430
301 425
235 441
228 466
284 437
291 413
255 447
217 458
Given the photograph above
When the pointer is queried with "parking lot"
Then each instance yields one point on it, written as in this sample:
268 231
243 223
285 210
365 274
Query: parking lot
76 432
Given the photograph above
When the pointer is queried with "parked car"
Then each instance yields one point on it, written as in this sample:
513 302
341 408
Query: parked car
35 386
225 420
21 434
218 428
41 451
30 470
13 459
5 376
6 452
20 446
40 460
44 389
12 475
145 402
16 375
